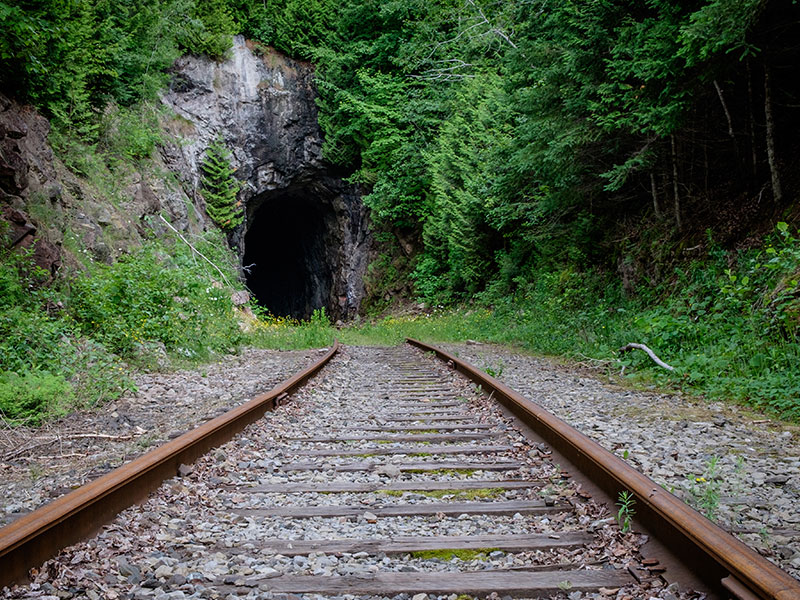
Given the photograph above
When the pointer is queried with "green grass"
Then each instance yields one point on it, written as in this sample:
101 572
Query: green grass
728 323
465 494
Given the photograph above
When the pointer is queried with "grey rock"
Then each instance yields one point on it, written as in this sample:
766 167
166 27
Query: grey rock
265 107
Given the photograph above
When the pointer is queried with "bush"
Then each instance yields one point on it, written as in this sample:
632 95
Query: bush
33 396
161 294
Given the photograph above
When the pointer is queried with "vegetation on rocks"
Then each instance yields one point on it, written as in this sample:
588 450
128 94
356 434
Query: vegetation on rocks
70 344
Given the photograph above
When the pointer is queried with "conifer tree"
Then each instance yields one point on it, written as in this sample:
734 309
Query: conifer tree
220 187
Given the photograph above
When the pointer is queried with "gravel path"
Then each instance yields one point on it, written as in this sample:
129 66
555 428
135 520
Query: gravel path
740 469
37 465
202 535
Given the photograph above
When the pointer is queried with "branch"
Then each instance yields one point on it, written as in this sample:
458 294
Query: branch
650 353
196 251
496 30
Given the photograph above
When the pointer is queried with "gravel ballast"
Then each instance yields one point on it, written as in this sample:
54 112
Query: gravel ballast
739 468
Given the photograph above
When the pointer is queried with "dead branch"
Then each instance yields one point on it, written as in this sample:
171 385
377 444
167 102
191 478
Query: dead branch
60 456
103 436
196 251
650 353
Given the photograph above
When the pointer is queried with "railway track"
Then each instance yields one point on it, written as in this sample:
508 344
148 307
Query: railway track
389 475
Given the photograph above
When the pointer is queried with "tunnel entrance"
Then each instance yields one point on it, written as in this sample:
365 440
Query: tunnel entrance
286 255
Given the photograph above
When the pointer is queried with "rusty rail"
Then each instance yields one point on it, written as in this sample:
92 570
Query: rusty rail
726 565
33 538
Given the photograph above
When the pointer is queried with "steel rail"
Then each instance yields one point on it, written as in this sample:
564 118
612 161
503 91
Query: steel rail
728 566
37 536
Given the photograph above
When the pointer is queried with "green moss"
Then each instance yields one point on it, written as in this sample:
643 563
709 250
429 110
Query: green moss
465 494
449 554
443 471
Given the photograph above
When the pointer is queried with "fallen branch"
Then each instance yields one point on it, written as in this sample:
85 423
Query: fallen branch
59 456
196 251
650 353
102 436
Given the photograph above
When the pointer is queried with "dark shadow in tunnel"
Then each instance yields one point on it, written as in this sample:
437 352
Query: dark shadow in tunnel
286 245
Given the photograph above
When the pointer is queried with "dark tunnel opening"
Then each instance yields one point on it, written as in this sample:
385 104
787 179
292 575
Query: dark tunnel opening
286 256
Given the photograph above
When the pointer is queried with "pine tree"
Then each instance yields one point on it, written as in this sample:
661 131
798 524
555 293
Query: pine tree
220 187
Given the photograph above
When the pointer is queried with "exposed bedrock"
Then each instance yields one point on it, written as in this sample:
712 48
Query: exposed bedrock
305 239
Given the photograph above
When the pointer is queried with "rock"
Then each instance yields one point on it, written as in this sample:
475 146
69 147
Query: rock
126 569
265 107
389 470
420 597
370 517
777 480
163 572
185 470
269 573
240 298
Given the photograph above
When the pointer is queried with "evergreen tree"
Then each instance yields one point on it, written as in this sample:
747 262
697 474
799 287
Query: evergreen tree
220 187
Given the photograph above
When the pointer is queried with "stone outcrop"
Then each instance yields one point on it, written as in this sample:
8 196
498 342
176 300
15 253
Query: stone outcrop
26 170
263 105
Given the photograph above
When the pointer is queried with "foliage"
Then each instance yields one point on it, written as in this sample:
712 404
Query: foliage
704 490
158 299
220 187
209 28
159 294
729 324
45 366
71 58
29 397
290 334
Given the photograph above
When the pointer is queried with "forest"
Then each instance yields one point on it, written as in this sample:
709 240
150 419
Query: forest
568 176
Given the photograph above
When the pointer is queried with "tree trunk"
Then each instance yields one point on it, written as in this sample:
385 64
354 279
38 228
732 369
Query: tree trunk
752 123
769 120
654 191
728 118
676 195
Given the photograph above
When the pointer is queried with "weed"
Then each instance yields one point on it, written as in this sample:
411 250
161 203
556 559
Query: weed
444 471
35 471
495 370
704 489
465 494
626 502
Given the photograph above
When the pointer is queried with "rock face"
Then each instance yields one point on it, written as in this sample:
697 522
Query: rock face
305 238
41 201
26 170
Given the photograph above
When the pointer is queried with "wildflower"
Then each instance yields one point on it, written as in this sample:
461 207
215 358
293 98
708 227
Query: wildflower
700 479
